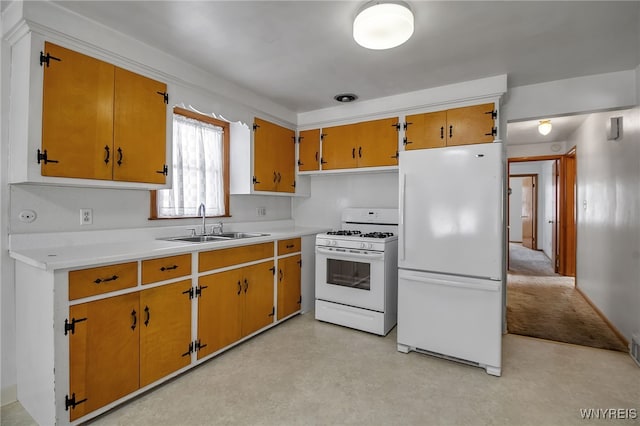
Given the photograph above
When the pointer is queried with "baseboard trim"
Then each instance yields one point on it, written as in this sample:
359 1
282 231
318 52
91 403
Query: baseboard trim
604 318
9 395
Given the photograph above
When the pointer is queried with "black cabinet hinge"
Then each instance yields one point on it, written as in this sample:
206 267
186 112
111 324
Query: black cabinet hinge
494 113
273 270
199 289
494 132
255 180
299 262
397 125
189 292
396 156
294 183
255 126
164 171
42 156
273 311
294 139
71 402
322 135
190 351
165 96
300 163
300 138
44 59
300 300
197 345
405 125
71 326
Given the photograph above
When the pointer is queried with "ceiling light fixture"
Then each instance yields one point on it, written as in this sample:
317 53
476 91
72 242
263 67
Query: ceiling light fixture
544 127
383 24
345 97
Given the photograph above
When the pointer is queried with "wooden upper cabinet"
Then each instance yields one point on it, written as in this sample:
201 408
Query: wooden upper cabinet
100 121
377 143
309 150
338 147
426 130
139 128
470 125
77 115
365 144
458 126
274 157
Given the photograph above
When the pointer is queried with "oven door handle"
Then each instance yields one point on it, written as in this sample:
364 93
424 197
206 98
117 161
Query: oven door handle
373 256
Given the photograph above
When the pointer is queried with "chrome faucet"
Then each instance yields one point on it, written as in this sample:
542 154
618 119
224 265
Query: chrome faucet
202 211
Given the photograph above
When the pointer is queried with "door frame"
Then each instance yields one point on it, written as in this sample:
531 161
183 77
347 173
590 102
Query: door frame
564 235
534 206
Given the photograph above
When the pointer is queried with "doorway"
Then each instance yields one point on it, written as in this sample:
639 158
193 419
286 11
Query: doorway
542 298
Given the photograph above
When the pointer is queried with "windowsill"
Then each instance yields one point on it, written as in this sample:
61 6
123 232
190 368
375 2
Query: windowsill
186 217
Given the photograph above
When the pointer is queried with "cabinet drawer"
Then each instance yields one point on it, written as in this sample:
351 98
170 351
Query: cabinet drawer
215 259
289 246
103 279
165 268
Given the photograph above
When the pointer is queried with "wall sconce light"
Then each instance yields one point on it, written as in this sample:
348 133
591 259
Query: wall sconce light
382 25
544 127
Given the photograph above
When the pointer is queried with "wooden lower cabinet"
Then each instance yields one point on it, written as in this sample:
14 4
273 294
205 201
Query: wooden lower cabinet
104 352
234 304
289 280
122 343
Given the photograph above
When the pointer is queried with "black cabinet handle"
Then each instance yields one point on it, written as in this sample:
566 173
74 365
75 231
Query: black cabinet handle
239 287
120 156
279 177
134 319
275 177
148 316
290 246
104 280
280 274
246 285
316 156
360 152
107 154
169 268
441 132
450 131
353 153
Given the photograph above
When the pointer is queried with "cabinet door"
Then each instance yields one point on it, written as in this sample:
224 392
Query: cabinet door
377 143
77 115
426 130
288 285
165 330
103 352
258 290
309 150
285 165
469 125
264 155
219 310
140 121
339 147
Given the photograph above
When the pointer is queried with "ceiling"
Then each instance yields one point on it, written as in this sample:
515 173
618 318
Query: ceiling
526 132
300 54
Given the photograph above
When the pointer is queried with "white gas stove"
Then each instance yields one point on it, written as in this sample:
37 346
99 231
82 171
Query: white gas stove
356 271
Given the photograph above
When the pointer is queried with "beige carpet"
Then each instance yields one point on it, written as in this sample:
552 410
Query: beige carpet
543 304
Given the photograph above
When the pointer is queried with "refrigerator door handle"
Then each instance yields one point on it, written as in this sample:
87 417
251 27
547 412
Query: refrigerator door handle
464 283
403 184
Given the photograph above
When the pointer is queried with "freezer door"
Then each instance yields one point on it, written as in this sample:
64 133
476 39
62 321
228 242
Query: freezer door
451 210
457 317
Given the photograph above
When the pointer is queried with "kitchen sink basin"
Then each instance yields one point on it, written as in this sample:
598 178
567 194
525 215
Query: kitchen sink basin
225 236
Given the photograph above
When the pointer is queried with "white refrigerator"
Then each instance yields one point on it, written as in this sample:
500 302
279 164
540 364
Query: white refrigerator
451 253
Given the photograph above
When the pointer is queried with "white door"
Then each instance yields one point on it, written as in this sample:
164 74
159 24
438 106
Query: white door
451 210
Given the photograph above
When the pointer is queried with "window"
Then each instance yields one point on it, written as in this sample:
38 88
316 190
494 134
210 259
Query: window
200 168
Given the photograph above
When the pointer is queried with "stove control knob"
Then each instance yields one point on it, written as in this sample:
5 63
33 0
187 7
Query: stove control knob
327 242
334 243
363 245
370 245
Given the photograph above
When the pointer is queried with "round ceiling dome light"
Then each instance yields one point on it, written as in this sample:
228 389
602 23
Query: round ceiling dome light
345 97
382 25
544 128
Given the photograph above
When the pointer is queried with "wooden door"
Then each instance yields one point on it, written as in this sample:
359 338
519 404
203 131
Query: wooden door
104 352
426 130
529 217
77 115
165 330
219 310
265 155
285 160
258 309
555 190
140 120
289 285
309 150
470 125
377 143
339 147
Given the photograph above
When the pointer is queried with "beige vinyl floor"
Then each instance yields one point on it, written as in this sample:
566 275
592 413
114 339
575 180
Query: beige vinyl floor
308 372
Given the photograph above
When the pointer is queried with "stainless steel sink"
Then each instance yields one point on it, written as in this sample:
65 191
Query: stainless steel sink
225 236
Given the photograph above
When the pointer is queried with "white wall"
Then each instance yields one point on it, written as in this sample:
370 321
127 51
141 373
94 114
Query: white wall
330 194
608 218
536 149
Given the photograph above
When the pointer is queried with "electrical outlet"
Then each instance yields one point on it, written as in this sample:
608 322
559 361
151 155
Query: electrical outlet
262 211
86 216
27 216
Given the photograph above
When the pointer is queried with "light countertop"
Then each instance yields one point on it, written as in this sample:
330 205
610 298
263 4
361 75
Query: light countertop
73 256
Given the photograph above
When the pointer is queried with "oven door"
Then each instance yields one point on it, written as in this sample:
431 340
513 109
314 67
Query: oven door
350 277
